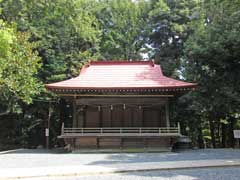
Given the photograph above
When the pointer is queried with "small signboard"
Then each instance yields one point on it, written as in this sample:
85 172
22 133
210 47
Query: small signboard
46 132
236 134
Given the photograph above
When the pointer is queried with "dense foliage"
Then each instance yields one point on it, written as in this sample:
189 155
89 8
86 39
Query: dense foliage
18 69
46 41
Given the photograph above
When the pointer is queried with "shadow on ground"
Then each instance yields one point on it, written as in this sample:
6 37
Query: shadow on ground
191 155
231 173
35 151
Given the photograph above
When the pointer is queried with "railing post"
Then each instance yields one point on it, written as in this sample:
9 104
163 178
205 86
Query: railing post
101 130
62 130
179 128
140 130
82 130
159 130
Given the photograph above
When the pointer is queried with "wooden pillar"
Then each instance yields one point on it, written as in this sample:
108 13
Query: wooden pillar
123 116
143 120
74 112
97 142
100 116
131 118
140 111
84 116
167 113
80 116
111 109
160 117
62 115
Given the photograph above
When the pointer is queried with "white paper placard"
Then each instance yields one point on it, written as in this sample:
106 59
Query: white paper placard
46 132
236 133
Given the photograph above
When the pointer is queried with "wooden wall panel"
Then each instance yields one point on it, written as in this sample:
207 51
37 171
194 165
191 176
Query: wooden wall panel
158 142
120 117
163 117
132 142
117 116
151 117
127 117
86 142
109 142
92 117
106 117
132 117
120 142
80 117
136 117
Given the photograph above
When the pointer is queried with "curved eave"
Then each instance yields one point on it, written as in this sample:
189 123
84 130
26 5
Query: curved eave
76 90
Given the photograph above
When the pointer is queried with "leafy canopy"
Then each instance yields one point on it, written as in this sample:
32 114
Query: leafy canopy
19 65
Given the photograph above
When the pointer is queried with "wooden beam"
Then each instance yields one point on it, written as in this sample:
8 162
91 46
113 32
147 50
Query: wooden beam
120 95
121 100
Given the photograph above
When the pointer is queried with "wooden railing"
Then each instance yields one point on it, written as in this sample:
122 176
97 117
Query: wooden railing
121 131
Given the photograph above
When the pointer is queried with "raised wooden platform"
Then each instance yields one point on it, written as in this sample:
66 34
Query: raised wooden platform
120 138
91 142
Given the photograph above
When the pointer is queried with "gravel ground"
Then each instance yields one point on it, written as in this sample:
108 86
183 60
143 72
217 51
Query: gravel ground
43 158
232 173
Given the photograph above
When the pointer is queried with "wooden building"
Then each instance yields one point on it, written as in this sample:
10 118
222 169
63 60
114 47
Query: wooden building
120 105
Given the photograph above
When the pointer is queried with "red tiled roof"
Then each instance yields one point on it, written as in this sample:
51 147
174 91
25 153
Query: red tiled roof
119 75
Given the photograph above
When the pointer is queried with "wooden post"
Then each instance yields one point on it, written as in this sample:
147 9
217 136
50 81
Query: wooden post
179 128
123 116
131 111
140 110
62 130
167 113
74 112
160 113
97 143
80 117
100 116
111 109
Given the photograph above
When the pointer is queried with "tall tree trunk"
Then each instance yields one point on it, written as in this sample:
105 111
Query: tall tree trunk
230 133
200 137
212 130
218 137
223 135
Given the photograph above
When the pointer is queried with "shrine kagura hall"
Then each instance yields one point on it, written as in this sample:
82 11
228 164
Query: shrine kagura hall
120 104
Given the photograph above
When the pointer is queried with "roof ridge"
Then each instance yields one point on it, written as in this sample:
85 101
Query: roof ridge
115 62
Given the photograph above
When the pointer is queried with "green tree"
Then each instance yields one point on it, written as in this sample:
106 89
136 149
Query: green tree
124 28
67 35
19 65
66 31
169 23
212 60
